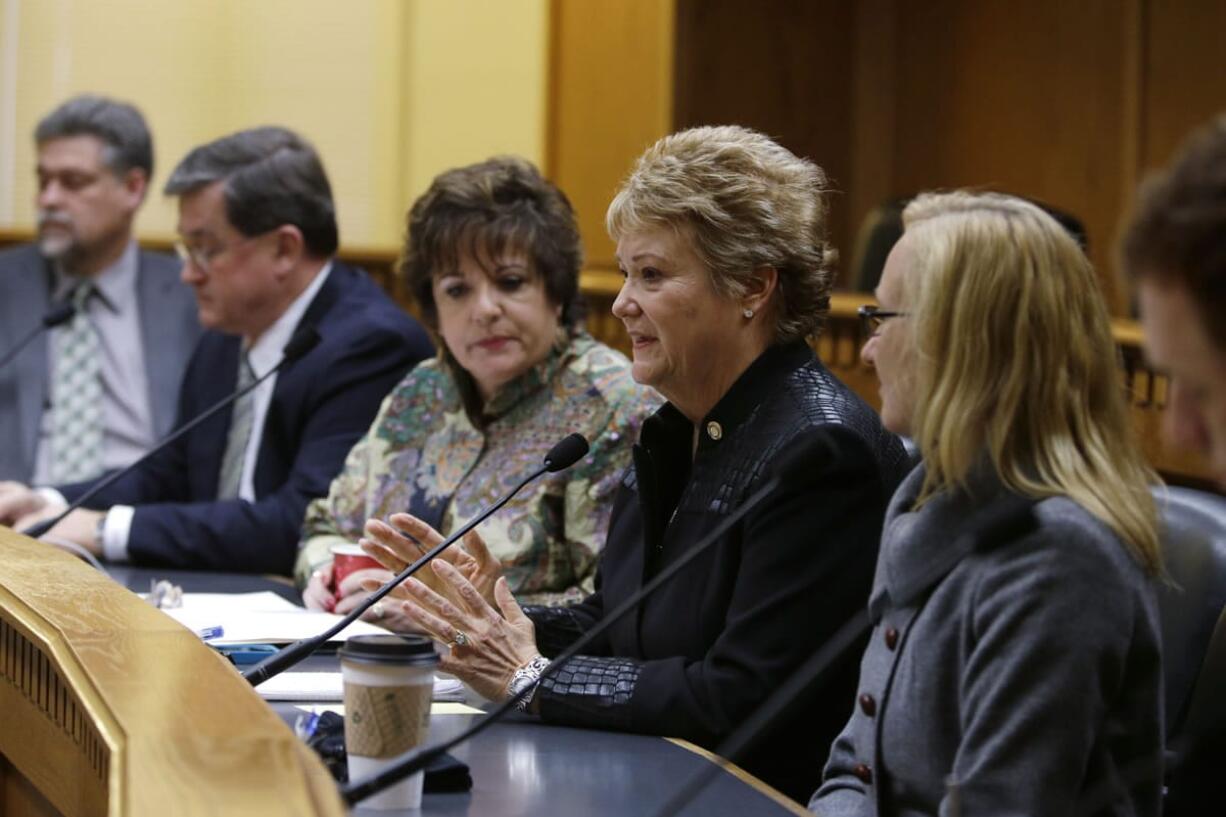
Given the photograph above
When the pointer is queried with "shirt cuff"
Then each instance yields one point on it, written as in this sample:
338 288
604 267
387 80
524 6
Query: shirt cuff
115 532
52 496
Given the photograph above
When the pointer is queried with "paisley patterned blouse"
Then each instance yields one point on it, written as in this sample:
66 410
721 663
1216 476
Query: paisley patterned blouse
428 455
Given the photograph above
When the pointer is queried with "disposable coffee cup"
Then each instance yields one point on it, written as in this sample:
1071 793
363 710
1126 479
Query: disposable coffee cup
346 559
389 681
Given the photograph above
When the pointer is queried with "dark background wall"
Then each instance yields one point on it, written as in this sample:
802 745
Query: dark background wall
1065 101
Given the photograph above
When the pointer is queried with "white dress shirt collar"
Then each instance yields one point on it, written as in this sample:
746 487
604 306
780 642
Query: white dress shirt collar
266 351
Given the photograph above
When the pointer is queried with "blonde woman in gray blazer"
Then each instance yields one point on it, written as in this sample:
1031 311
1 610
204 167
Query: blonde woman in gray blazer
1014 667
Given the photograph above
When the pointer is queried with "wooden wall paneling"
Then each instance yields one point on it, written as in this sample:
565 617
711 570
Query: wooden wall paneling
600 288
1185 78
1027 99
1133 99
779 66
610 98
873 121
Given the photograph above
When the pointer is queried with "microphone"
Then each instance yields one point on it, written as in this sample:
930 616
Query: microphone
564 454
303 341
60 314
795 465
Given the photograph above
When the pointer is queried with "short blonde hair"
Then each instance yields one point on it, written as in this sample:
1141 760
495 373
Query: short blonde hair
1015 360
747 202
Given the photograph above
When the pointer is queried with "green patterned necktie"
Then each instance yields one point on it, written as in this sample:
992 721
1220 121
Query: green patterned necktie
76 396
230 480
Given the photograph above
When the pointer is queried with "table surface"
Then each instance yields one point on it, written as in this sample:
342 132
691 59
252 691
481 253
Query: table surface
523 767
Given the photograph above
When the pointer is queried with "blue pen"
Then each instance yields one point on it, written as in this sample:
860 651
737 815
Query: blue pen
209 633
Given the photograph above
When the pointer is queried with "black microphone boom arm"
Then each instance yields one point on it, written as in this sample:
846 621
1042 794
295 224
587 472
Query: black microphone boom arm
54 318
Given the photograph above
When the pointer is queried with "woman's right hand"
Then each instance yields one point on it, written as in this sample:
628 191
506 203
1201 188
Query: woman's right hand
321 594
351 592
317 595
356 588
410 538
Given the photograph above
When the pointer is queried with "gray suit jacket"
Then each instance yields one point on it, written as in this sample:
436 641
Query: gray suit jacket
1014 669
169 331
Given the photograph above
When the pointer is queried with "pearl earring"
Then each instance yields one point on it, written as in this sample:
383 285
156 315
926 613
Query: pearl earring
747 312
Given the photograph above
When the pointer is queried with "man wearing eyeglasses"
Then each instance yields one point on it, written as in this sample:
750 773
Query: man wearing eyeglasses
1175 251
94 392
258 232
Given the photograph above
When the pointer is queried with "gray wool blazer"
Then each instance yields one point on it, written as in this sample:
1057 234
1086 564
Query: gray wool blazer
1007 673
168 325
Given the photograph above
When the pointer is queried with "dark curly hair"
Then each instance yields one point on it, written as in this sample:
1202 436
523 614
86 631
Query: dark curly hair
483 209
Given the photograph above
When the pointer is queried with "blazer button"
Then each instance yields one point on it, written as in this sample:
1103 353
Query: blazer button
715 431
864 773
868 705
891 638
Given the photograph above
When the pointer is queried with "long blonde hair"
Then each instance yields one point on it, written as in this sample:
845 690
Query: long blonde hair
1015 361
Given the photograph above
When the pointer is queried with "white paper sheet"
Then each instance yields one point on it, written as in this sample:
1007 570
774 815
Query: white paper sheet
257 618
327 686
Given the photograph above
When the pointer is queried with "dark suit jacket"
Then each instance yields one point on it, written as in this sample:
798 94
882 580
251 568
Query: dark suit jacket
321 405
168 328
704 651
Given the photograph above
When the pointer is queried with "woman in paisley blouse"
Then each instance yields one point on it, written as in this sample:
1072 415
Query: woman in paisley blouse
492 259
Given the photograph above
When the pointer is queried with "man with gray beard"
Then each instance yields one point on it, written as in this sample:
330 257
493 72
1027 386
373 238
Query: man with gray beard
96 391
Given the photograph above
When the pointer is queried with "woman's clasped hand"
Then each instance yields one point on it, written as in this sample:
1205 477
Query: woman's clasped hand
460 599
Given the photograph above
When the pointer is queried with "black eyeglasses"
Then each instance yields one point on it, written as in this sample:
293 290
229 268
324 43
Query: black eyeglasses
871 318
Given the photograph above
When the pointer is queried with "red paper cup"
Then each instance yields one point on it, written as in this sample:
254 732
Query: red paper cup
346 559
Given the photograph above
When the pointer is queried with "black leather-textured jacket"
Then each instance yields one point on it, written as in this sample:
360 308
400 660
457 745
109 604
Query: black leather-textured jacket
700 654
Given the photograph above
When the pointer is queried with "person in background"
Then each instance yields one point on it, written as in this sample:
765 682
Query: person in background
492 258
258 232
1174 251
94 393
1015 663
721 239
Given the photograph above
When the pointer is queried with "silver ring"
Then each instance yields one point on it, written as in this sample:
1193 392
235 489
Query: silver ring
377 610
461 639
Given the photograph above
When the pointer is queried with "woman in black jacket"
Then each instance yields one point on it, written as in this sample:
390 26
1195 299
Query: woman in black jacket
721 240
